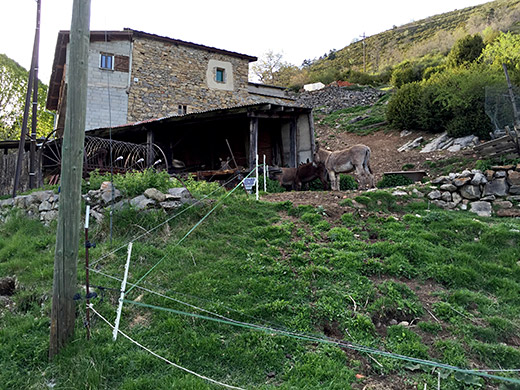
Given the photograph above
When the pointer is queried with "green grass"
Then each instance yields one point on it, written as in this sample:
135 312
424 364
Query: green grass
358 119
278 265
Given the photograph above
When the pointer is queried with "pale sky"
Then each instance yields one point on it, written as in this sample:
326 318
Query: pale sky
300 29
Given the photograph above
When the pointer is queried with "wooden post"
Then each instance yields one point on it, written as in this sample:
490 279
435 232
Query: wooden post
30 83
253 142
292 143
512 97
63 313
33 183
149 148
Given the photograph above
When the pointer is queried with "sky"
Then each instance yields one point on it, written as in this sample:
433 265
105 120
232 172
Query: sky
299 29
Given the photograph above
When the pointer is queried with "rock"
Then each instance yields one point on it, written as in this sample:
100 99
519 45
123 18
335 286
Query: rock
478 178
170 205
7 202
141 202
513 177
41 196
503 204
463 206
417 193
482 209
393 322
502 167
411 144
434 195
446 196
454 148
489 198
441 180
45 206
181 194
436 143
498 187
404 323
456 198
500 174
466 173
511 213
405 133
489 174
470 192
440 203
155 194
49 216
106 193
448 187
460 181
513 198
399 193
514 190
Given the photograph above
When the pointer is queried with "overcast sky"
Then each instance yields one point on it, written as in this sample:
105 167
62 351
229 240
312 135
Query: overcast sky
300 29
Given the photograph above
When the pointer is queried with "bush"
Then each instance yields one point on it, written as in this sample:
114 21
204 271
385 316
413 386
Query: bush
394 181
347 182
466 50
404 107
131 183
272 186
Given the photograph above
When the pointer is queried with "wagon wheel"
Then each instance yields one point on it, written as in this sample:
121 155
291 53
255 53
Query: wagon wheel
137 159
51 154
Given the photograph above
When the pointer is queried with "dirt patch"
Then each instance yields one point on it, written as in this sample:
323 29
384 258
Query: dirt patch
384 145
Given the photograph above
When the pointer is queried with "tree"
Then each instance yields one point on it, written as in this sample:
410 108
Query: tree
466 50
273 70
505 49
13 88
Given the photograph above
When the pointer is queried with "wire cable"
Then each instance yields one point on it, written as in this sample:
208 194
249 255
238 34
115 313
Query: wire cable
189 232
141 235
355 347
163 358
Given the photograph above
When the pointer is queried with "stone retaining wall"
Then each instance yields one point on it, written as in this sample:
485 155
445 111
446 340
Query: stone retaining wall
494 191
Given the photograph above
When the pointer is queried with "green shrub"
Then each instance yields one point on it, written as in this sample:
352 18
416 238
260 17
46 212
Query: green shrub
272 186
394 181
131 183
347 182
466 50
430 327
404 107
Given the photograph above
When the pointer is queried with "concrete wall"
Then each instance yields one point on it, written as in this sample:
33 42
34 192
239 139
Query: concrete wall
304 139
166 75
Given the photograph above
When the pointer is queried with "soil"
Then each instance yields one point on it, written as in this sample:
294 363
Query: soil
384 145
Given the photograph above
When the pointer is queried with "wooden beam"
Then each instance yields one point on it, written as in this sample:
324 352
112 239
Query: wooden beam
293 130
149 148
253 142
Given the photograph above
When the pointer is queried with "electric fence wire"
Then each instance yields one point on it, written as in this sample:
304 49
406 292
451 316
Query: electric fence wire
348 345
163 358
314 338
190 231
141 235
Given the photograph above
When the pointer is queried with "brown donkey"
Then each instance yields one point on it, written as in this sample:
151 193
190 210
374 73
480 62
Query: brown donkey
342 161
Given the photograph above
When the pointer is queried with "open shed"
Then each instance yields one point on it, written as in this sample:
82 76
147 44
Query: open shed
284 134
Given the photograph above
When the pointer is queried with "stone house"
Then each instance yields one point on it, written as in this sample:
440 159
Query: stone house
136 80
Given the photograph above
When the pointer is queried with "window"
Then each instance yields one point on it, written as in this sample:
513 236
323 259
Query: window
106 61
220 75
182 109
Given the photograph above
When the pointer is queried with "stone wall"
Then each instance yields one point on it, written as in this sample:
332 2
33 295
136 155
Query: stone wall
495 191
166 75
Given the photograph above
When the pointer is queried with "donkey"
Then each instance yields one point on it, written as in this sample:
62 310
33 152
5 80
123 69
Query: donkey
342 161
305 173
285 176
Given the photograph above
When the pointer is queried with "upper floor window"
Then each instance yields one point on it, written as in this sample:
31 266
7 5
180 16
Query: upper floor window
106 61
220 75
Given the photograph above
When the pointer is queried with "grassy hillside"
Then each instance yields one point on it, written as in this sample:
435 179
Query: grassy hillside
396 276
434 35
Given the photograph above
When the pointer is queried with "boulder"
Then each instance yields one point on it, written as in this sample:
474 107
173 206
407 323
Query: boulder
45 206
436 143
482 209
155 194
411 144
170 205
436 194
514 190
446 196
511 213
456 198
498 187
478 178
513 177
441 180
503 204
500 174
448 187
470 191
461 181
181 194
141 202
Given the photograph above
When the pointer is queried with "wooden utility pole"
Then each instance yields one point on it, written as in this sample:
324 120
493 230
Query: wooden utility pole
68 235
32 83
364 54
32 160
